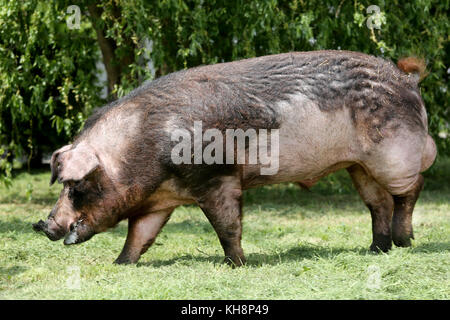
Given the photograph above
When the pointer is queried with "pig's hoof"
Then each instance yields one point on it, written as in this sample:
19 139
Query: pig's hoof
381 243
402 239
402 242
124 261
236 262
377 248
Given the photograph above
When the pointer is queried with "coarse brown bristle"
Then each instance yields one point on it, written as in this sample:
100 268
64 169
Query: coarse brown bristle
413 65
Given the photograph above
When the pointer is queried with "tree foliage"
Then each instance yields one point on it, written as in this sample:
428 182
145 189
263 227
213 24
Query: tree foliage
47 79
48 72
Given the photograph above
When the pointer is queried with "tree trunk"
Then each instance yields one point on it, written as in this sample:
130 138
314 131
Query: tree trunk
114 65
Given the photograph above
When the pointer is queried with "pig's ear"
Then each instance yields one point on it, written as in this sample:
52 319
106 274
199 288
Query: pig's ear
76 163
54 162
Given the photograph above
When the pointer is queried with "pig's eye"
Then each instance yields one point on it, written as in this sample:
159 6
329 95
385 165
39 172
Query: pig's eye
71 193
76 190
84 193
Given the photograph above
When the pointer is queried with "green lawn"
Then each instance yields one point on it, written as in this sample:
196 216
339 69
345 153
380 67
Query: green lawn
299 245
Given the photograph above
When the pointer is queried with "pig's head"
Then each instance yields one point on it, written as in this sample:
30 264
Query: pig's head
82 209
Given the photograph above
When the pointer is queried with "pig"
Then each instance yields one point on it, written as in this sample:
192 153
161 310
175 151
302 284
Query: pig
331 110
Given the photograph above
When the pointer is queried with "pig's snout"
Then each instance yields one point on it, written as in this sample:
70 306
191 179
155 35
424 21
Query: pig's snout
50 228
39 226
79 232
72 236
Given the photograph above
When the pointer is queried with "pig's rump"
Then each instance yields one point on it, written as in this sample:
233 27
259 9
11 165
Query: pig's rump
315 141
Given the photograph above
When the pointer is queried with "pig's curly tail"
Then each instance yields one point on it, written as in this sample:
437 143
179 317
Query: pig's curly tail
414 65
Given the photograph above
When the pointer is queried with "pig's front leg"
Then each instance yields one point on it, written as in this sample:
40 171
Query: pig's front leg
142 232
222 206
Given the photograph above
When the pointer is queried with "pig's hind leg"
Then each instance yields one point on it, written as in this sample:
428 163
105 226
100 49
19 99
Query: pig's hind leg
380 203
221 203
142 232
396 166
402 231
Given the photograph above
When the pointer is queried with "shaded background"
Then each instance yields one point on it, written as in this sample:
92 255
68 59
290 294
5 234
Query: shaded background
54 70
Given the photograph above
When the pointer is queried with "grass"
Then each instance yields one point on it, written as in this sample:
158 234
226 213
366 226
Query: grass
299 245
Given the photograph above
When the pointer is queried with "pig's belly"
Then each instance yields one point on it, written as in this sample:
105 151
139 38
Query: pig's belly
312 144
